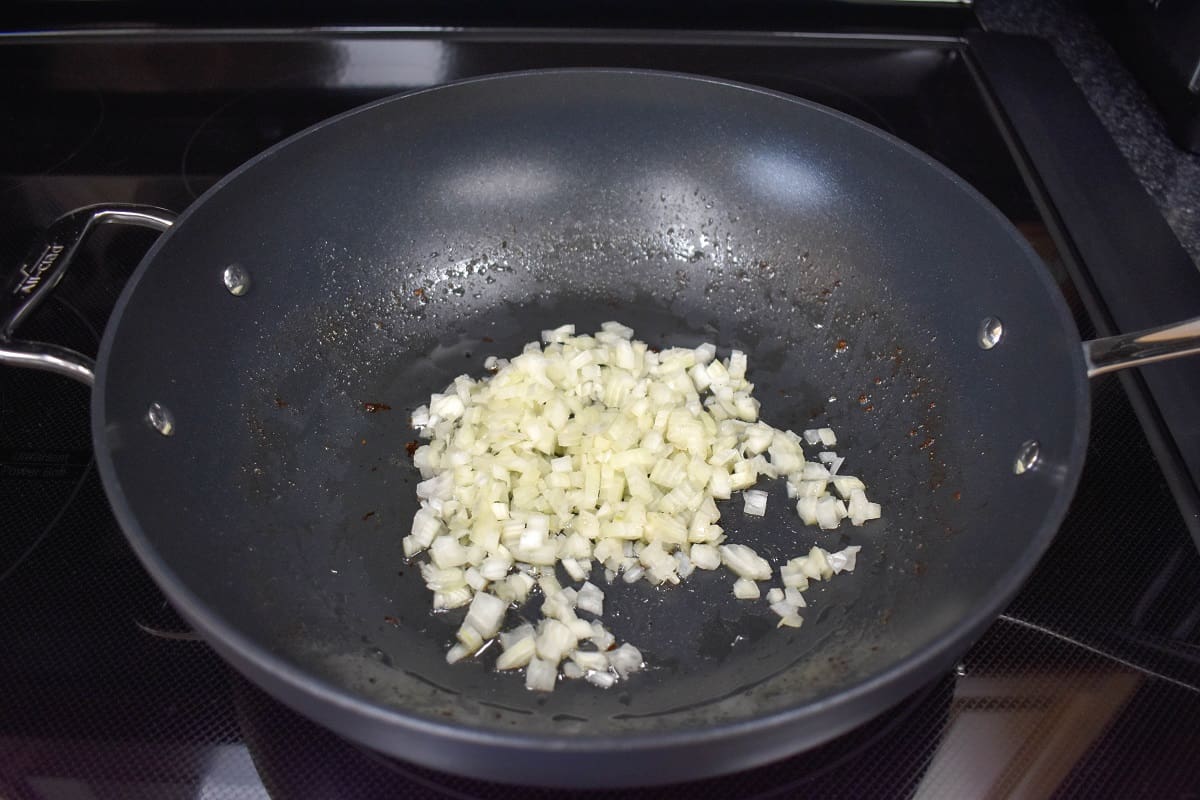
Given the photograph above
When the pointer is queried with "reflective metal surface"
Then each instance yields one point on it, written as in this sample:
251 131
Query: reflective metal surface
161 419
37 276
1089 686
1142 347
236 279
1027 457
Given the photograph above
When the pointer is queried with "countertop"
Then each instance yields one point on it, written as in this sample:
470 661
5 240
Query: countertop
1169 174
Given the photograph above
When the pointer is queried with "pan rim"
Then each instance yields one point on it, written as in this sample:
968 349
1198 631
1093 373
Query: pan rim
291 684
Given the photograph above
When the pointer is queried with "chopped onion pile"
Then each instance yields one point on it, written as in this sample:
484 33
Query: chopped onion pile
596 453
818 565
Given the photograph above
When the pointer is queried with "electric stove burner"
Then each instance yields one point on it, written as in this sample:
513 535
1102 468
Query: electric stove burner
52 131
297 758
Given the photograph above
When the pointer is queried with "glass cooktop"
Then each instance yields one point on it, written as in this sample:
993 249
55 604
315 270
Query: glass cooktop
1088 684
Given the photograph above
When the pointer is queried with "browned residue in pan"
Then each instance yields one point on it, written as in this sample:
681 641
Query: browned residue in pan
368 515
372 408
411 448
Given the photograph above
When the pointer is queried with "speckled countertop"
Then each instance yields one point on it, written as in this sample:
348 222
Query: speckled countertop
1170 174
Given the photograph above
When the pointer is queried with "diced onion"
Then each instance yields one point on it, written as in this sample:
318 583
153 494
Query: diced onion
590 660
509 638
744 589
755 502
517 655
827 513
843 560
625 659
457 653
486 614
602 679
595 451
554 641
601 637
745 562
590 599
705 556
540 675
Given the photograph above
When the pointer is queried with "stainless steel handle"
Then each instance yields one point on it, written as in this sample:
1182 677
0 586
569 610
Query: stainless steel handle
1142 347
41 271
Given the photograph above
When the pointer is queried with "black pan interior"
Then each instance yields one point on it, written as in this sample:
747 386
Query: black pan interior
398 247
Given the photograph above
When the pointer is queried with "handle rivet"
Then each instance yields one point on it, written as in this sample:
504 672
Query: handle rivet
237 279
161 419
990 332
1027 457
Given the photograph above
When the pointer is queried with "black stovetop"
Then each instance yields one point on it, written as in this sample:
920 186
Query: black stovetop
1089 684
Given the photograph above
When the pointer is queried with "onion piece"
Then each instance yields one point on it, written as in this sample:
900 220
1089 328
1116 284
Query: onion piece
509 638
827 513
573 568
554 641
486 614
792 596
806 508
452 598
602 637
590 599
793 574
744 562
604 680
844 560
744 589
518 654
588 660
540 676
818 559
705 556
626 660
755 502
457 653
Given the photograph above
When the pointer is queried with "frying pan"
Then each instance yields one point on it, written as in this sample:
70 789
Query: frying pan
372 258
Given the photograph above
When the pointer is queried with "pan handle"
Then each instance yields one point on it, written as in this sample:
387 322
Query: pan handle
1142 347
40 273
